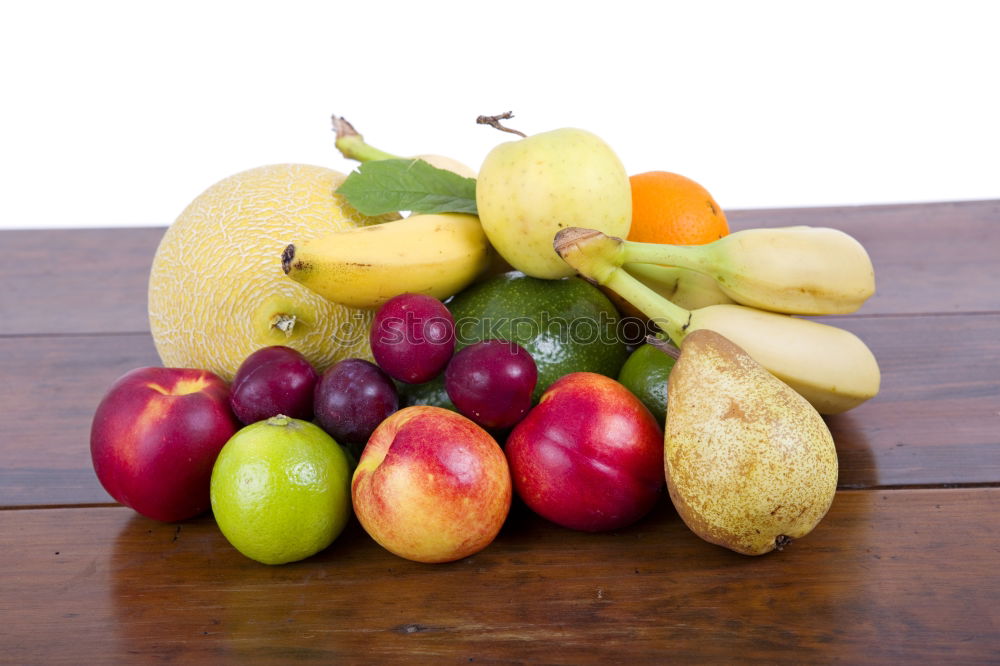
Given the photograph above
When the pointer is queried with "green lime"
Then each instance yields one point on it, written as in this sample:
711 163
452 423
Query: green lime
645 374
281 490
566 325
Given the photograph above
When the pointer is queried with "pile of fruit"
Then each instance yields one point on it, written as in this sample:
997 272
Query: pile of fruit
325 357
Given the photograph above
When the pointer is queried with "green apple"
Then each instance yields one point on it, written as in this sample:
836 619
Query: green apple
531 188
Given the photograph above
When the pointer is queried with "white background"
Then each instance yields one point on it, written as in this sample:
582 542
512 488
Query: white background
119 113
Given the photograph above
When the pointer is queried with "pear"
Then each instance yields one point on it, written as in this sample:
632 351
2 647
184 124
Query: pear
750 464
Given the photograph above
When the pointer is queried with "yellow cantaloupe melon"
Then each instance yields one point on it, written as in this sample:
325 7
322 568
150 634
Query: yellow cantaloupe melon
216 289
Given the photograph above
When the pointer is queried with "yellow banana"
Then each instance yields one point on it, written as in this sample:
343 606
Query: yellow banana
830 367
437 255
684 287
797 270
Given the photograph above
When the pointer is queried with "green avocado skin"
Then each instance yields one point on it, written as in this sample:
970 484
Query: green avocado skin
429 393
567 325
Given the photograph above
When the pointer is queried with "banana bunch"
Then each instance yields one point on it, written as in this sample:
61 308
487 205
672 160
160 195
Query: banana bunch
769 273
438 255
795 270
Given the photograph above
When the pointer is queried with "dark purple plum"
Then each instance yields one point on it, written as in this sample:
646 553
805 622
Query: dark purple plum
352 398
271 381
491 382
413 337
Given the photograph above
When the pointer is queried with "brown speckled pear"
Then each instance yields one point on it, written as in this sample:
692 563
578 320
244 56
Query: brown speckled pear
750 464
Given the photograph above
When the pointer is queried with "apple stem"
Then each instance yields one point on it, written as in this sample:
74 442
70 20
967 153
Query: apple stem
494 122
352 145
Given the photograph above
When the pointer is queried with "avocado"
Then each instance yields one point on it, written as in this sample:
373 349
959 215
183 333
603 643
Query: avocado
429 393
567 325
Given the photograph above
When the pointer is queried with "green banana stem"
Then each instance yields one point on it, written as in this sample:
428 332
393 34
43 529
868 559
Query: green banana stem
670 318
598 258
685 287
694 257
352 145
664 279
594 255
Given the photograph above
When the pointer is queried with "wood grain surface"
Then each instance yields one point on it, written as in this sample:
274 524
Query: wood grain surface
888 577
59 281
903 569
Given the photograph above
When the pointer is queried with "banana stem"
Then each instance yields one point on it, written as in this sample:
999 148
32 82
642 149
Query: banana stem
670 318
694 257
665 278
598 258
352 145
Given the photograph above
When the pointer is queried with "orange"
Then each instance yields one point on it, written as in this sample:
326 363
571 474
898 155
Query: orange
670 208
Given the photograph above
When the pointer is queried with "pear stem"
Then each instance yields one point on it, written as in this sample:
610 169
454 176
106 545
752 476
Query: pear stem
352 145
694 257
662 345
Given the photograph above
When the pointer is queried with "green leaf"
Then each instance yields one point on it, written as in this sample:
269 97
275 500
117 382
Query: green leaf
389 186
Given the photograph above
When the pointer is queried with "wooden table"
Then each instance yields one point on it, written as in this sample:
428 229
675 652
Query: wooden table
906 565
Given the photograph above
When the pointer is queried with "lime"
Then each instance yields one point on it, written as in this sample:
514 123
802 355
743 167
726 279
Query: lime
566 325
281 490
645 374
